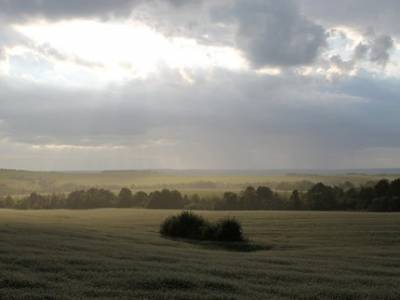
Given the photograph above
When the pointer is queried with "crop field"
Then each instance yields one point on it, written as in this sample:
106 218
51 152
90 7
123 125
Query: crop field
119 254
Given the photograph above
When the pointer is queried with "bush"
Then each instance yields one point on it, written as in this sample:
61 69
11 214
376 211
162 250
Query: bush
229 230
191 226
185 225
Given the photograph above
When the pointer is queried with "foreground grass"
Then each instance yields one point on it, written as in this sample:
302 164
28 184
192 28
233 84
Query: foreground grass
119 254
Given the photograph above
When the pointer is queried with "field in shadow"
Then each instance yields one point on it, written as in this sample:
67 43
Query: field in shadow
244 246
119 254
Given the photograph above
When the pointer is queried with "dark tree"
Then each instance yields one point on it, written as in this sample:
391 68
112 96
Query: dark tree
382 188
321 197
166 199
295 200
395 188
365 197
249 199
125 198
140 199
229 201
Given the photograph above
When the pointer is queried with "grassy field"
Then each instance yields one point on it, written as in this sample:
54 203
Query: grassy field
118 253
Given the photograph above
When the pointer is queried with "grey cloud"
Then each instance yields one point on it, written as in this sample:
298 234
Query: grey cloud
224 119
9 37
48 115
21 10
172 17
54 9
344 65
268 32
381 15
284 121
48 51
274 33
374 48
361 51
380 48
192 19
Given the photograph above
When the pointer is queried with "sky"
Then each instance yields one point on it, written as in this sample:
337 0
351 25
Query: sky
212 84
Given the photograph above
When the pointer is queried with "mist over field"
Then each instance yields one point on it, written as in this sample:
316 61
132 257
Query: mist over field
199 149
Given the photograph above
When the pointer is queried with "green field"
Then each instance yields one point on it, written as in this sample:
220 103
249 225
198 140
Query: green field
118 253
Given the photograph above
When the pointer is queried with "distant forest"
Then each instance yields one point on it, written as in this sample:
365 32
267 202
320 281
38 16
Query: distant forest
383 196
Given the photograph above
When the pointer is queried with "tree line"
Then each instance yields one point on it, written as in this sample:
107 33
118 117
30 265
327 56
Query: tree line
381 196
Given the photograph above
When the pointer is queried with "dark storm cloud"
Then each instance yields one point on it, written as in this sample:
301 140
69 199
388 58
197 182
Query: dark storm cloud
274 33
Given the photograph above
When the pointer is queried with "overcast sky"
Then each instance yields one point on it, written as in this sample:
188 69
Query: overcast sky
220 84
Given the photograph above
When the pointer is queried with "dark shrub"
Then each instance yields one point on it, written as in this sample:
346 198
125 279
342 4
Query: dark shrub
229 230
209 232
185 225
191 226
